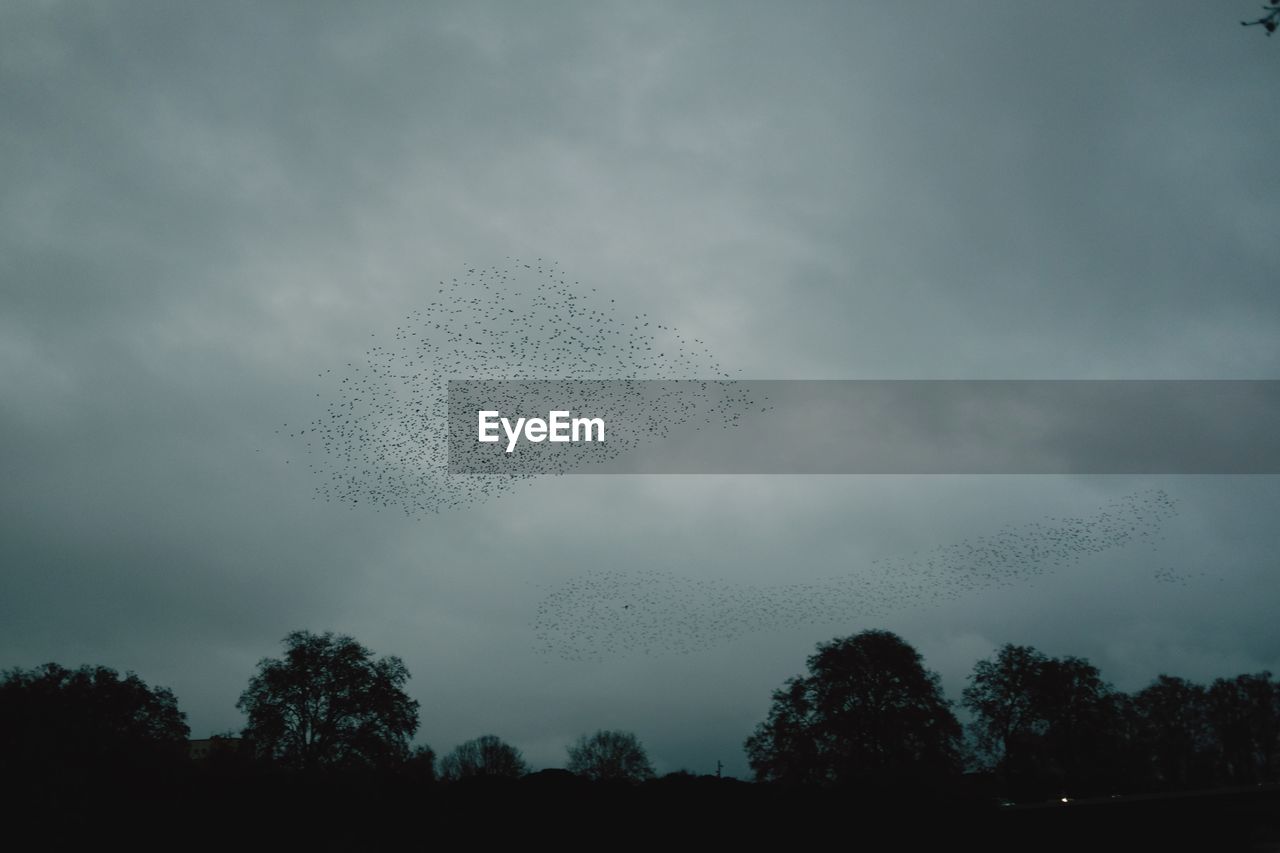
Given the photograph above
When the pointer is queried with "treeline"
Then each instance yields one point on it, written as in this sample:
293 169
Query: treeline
1056 758
1050 724
867 714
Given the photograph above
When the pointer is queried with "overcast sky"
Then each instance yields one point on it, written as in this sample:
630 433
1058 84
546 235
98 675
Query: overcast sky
206 205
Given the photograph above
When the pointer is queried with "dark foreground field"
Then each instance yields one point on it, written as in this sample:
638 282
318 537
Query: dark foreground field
374 812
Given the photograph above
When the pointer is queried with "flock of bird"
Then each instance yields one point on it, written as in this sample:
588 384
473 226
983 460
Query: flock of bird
604 614
383 440
1170 575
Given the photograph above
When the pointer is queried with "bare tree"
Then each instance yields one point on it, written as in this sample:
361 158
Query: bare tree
1269 21
329 703
610 756
488 756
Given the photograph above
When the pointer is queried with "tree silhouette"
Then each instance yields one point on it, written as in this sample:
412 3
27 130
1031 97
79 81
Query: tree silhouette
1048 724
1269 21
60 724
420 766
487 756
867 711
329 704
608 756
1173 732
1244 714
1082 716
1002 696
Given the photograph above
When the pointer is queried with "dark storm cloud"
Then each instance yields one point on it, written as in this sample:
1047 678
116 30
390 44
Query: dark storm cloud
206 206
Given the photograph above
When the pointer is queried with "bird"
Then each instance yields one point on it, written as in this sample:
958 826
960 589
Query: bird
608 613
381 441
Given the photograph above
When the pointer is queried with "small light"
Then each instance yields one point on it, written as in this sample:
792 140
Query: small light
1065 800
